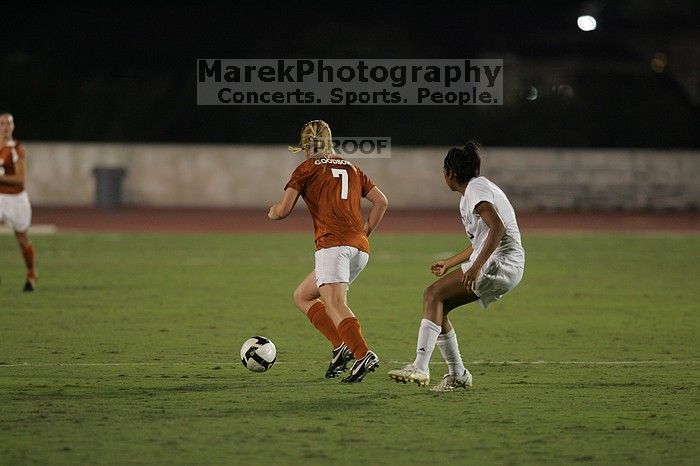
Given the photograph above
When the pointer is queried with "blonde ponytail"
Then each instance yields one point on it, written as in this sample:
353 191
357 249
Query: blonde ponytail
315 137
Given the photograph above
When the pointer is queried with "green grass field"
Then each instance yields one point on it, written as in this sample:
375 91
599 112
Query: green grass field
128 354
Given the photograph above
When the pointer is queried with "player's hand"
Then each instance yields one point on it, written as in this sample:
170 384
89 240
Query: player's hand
469 277
271 214
366 227
438 268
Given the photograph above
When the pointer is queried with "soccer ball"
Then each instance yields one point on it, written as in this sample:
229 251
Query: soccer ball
258 354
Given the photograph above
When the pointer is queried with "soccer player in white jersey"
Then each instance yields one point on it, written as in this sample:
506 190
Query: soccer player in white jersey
489 267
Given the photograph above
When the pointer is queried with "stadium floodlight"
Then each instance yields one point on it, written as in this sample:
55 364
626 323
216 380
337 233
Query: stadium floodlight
531 93
586 23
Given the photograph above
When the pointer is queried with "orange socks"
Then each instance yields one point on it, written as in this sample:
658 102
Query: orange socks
351 333
28 254
317 315
348 331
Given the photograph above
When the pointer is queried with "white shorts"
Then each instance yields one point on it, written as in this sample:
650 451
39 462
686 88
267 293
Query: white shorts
339 264
495 279
16 211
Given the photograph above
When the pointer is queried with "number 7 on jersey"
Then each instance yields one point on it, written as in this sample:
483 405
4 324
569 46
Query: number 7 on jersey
343 174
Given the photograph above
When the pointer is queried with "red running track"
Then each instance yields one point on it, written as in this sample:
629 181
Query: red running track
147 219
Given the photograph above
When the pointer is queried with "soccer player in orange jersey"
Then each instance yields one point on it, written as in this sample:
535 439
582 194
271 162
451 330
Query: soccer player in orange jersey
15 209
333 189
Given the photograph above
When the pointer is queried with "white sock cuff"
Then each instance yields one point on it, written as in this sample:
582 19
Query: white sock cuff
431 325
444 337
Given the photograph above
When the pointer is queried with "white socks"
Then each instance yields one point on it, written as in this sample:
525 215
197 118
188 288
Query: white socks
427 337
449 348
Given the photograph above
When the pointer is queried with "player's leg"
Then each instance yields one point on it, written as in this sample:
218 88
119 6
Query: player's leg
335 297
491 286
306 298
306 294
336 268
457 375
447 340
28 253
17 212
446 293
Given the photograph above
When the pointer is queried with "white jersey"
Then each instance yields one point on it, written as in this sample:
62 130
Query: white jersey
482 189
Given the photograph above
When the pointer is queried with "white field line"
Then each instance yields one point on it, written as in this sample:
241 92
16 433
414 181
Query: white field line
472 363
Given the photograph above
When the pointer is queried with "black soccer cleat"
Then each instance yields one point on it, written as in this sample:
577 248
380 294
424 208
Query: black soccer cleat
361 367
28 286
339 361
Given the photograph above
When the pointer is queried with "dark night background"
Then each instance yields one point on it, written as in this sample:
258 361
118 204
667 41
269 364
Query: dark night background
126 71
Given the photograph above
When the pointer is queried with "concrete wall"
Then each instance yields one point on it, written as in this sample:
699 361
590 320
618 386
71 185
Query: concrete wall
253 176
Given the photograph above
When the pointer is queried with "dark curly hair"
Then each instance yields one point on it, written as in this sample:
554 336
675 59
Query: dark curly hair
464 163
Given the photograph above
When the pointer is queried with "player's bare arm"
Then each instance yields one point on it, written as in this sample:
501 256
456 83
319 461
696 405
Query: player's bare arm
17 178
379 206
284 207
488 213
439 268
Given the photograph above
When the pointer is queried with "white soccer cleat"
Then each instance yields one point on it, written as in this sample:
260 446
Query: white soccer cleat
449 382
410 373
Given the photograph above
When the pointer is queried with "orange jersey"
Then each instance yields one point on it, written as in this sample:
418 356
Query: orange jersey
9 156
333 189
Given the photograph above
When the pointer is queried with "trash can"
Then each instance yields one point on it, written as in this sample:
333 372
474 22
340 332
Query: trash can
108 186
